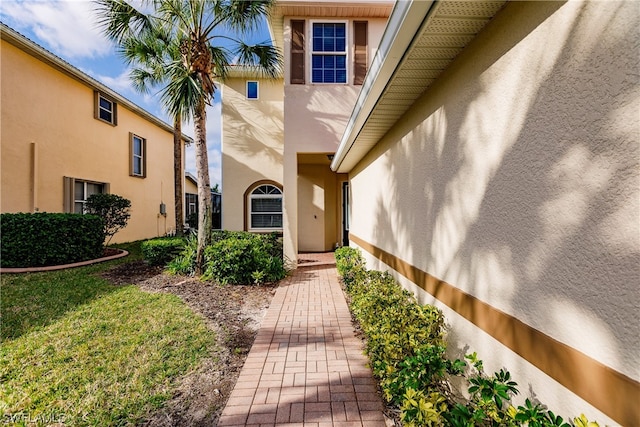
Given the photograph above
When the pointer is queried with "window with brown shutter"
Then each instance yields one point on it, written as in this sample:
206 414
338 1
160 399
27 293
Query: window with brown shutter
360 52
297 52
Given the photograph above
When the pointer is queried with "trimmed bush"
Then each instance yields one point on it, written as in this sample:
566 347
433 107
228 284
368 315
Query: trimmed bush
161 251
235 257
113 209
406 345
44 239
350 265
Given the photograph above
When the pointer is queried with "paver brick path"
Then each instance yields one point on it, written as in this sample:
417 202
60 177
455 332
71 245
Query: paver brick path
306 366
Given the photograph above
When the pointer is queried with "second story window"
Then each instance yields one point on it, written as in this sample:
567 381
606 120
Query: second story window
105 109
329 56
137 155
252 90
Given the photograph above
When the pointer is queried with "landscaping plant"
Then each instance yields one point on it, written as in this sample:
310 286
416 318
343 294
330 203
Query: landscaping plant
235 257
162 250
113 209
406 344
43 239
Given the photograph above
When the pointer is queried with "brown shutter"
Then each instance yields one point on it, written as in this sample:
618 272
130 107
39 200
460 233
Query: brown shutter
297 52
360 50
68 199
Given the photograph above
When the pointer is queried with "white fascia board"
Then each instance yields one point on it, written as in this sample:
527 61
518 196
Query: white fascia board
405 21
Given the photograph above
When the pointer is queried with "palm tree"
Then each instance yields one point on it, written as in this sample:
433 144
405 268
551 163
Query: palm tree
206 35
147 53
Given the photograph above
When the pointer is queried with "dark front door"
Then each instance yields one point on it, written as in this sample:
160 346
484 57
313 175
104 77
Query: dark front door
345 214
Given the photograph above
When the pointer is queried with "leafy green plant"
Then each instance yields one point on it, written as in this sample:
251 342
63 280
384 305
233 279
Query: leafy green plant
43 239
235 257
350 265
243 259
419 409
161 251
406 344
185 262
113 209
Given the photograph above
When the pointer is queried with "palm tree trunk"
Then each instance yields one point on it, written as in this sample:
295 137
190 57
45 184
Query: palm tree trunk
178 175
204 185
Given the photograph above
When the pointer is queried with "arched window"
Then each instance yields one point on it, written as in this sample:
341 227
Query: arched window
265 208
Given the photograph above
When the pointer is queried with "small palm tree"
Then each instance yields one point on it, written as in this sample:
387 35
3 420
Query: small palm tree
191 43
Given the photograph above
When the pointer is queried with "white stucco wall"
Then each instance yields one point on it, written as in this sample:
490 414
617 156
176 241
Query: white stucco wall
516 179
252 144
315 116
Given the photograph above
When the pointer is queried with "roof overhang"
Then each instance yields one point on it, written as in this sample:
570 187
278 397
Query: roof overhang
421 40
23 43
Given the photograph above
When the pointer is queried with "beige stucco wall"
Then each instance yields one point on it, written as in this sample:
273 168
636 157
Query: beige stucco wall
516 179
48 110
190 186
315 116
252 144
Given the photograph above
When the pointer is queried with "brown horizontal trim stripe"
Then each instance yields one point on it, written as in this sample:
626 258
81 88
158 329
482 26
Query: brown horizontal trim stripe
612 392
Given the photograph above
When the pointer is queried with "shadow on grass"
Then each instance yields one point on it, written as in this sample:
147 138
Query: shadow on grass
34 300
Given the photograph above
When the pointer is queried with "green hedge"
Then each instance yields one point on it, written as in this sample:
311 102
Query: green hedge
44 239
406 345
161 251
235 257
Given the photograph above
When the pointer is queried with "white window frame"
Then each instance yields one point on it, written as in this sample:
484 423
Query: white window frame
253 196
347 38
84 193
99 108
257 90
135 156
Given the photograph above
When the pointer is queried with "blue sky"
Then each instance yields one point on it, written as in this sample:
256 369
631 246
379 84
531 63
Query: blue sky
68 29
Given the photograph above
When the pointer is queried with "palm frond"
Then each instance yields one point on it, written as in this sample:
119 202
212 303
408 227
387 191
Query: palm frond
119 20
265 58
245 16
220 60
183 92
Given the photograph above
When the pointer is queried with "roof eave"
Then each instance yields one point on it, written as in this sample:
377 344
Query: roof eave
404 22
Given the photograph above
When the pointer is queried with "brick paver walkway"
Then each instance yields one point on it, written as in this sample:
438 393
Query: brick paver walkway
306 366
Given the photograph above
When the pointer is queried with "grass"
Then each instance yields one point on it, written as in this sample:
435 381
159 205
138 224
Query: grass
79 350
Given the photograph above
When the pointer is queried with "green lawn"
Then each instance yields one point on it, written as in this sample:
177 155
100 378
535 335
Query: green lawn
79 350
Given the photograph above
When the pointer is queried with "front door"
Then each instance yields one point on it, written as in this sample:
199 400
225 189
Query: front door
345 214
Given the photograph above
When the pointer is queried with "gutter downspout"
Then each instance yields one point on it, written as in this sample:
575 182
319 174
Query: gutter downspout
404 23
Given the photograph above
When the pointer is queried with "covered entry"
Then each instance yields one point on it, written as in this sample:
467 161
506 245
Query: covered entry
320 203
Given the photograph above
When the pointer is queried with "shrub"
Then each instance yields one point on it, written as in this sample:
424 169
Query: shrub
243 258
114 211
406 345
161 251
185 262
350 265
235 257
43 239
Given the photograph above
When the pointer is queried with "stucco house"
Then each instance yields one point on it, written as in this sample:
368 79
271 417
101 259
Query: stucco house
278 136
66 136
489 160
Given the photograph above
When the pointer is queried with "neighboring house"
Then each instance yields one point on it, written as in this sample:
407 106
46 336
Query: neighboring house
490 162
66 136
278 136
190 195
191 201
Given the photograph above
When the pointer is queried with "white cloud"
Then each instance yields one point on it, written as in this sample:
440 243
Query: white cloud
67 27
120 83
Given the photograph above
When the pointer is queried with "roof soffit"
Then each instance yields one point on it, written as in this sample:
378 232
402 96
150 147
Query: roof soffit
448 28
